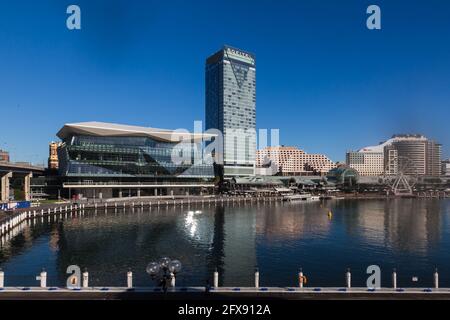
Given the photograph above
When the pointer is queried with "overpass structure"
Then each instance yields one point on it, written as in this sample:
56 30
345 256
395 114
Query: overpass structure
9 170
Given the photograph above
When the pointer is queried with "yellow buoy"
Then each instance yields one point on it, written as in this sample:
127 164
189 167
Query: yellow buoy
330 214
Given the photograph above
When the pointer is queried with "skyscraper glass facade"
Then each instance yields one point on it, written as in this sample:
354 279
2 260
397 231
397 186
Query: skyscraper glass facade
231 107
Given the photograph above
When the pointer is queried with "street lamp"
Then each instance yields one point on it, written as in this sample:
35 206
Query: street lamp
164 271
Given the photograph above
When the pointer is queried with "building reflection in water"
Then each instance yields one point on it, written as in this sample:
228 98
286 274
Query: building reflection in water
278 238
413 225
293 221
400 225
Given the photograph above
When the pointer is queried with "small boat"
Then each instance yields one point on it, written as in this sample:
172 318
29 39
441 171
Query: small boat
300 197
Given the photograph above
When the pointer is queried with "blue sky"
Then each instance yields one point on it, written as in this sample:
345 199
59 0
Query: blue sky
326 81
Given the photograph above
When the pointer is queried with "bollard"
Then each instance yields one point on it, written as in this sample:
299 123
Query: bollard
216 279
436 279
300 278
172 279
130 279
2 279
394 279
43 278
348 278
85 279
256 277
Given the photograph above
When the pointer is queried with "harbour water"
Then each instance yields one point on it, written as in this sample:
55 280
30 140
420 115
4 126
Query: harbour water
411 235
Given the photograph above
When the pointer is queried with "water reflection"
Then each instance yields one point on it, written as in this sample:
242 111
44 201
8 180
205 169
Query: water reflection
409 234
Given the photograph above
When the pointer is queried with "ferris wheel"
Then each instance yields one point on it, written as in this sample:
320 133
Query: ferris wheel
400 175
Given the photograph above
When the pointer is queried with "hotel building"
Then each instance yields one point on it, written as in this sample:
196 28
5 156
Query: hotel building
366 162
413 154
293 161
230 107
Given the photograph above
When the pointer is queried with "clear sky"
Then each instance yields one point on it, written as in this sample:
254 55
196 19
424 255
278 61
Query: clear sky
326 81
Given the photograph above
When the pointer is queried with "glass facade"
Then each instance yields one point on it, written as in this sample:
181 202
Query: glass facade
128 156
231 107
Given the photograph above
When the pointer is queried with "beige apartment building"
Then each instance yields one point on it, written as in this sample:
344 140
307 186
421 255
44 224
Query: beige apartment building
293 161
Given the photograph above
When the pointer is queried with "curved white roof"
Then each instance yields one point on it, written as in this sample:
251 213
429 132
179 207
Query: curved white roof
103 129
380 147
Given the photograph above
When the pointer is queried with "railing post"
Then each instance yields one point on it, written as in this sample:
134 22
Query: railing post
348 278
436 279
216 279
130 279
172 279
256 277
2 279
300 278
43 278
85 279
394 279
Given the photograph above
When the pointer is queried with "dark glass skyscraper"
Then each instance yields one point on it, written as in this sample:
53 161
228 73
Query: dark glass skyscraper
231 107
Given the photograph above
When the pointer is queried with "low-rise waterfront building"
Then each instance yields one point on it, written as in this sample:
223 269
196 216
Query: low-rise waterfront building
104 160
292 161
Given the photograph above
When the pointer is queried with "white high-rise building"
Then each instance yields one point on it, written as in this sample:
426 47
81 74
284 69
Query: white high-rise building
417 156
